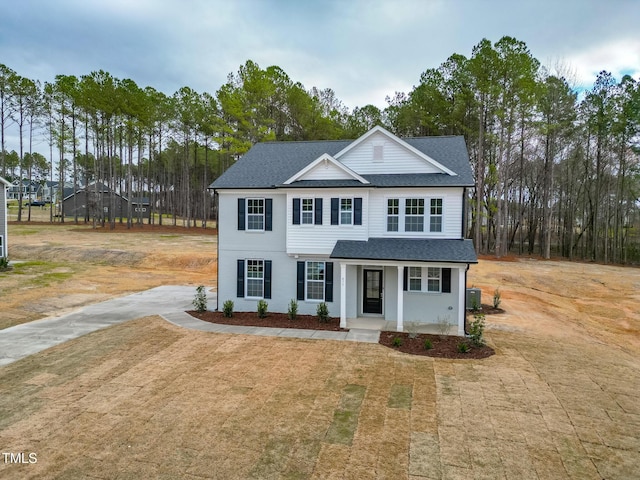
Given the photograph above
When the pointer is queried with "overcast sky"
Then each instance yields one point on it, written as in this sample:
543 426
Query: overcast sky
364 50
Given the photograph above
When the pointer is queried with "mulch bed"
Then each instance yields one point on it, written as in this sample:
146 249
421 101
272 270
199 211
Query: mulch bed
443 346
275 320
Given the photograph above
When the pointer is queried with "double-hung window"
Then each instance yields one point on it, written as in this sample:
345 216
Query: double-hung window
433 279
393 214
346 211
255 279
255 214
435 215
415 279
307 211
315 278
414 215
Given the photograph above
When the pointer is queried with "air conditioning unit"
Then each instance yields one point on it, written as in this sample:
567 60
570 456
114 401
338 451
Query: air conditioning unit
474 298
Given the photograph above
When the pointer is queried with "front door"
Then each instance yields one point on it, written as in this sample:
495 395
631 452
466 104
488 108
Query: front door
372 291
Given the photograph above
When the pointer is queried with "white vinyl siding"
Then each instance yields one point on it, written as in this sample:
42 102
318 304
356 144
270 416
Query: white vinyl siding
451 217
396 158
320 239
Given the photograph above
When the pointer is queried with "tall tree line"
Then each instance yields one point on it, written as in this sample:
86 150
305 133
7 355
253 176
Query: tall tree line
557 170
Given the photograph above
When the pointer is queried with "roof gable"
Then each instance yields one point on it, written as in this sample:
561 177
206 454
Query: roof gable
325 167
379 151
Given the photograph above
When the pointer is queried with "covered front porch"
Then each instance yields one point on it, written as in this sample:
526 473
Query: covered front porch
404 284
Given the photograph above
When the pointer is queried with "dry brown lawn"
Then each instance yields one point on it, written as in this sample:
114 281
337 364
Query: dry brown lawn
147 399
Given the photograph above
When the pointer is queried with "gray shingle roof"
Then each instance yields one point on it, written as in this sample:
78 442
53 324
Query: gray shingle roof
270 164
407 249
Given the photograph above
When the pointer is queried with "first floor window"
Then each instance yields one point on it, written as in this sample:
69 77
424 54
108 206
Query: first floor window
433 279
255 214
307 211
315 280
435 217
255 278
415 279
393 214
414 215
346 211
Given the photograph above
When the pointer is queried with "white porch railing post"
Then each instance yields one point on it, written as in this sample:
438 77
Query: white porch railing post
462 292
343 295
399 325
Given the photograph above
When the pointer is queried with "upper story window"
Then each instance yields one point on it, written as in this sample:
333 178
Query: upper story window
393 214
435 217
414 215
255 214
307 211
346 211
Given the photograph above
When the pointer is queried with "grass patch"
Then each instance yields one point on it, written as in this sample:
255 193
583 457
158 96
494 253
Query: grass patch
345 418
400 397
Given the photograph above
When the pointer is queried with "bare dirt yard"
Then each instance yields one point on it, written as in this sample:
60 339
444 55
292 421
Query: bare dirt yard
146 399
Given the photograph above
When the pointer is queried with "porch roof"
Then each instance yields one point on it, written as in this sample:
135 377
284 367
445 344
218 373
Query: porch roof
407 249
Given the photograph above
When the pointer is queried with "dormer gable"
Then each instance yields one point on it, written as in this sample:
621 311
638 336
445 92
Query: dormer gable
380 151
325 167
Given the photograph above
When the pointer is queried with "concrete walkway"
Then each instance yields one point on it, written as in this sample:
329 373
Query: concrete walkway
170 302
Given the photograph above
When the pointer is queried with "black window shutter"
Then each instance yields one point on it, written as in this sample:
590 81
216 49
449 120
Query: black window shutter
328 282
317 205
357 211
296 211
268 214
300 285
241 206
240 279
446 280
335 204
267 279
405 279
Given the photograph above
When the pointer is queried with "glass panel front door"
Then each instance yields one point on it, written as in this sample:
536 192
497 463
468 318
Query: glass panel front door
372 291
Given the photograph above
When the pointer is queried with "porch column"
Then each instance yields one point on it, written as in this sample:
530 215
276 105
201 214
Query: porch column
399 326
462 292
343 295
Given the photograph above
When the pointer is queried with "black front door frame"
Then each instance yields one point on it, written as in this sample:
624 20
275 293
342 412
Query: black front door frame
372 304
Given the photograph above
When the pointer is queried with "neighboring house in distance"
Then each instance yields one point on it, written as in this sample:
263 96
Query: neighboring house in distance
4 186
30 190
51 191
373 227
95 200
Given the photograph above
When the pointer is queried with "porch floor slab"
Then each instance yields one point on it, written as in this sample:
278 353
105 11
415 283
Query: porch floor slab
380 324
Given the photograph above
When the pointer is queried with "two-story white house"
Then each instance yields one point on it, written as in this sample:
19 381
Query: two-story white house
4 186
373 227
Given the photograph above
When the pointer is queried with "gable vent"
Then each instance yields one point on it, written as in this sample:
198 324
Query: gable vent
378 153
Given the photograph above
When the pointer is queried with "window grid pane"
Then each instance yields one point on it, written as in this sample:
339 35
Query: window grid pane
435 220
415 279
346 211
433 279
414 215
255 214
393 211
255 278
315 281
307 211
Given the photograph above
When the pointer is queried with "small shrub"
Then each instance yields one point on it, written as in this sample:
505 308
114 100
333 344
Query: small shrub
262 308
227 309
476 330
200 299
292 311
463 347
443 325
322 311
397 341
427 344
475 306
496 298
412 328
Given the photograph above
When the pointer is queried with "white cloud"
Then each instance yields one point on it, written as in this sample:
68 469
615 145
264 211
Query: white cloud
618 56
